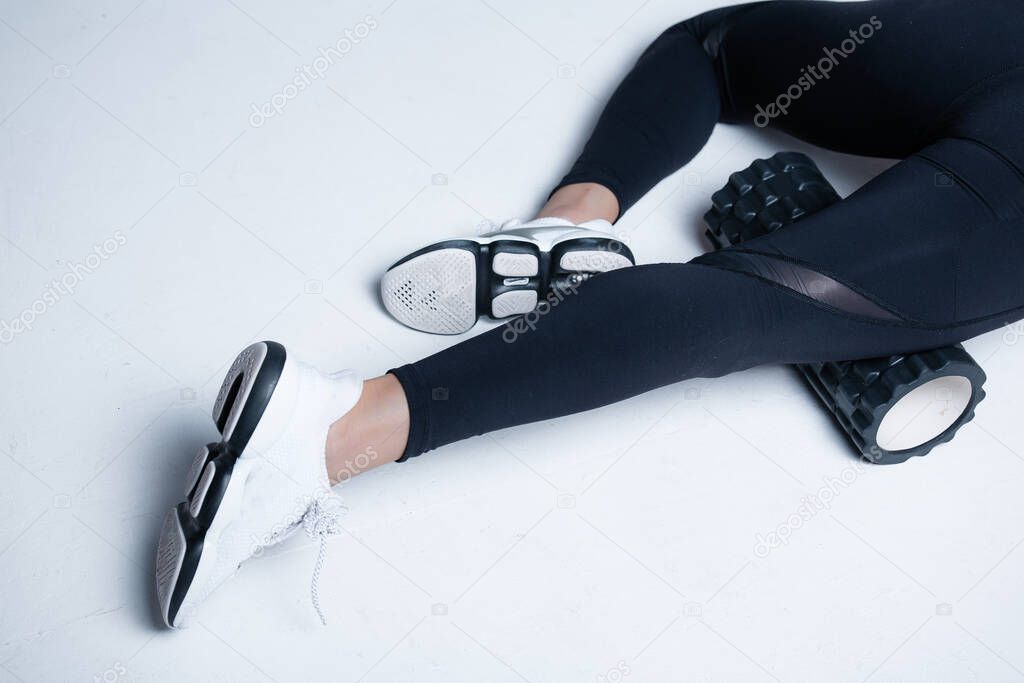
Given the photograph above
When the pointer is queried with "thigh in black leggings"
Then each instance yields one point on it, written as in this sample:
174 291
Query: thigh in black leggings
927 254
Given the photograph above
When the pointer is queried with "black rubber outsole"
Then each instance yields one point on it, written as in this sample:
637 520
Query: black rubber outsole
550 274
224 455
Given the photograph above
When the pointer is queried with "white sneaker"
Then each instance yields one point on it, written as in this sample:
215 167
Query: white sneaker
265 478
445 287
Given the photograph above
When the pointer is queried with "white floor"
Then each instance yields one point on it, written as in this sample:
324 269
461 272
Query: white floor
617 545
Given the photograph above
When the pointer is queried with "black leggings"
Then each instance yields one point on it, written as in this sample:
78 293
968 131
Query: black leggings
928 254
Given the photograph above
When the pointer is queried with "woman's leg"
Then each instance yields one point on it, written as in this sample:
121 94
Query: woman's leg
637 329
641 115
373 433
913 257
872 78
908 263
581 202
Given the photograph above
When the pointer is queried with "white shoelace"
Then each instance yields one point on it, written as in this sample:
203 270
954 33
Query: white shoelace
322 519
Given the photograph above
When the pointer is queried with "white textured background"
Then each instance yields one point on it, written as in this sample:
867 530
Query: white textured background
616 545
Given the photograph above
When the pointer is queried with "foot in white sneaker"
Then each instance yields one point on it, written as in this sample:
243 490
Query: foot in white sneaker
265 478
446 287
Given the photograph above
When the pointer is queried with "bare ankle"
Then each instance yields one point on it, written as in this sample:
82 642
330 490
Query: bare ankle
373 433
582 202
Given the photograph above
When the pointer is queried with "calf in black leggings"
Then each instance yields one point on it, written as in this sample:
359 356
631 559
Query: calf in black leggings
935 244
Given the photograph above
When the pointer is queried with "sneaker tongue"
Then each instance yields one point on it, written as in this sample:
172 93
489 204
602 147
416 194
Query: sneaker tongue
298 452
598 224
348 386
548 222
337 393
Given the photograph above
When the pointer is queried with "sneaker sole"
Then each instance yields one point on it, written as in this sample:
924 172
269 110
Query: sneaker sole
188 539
446 287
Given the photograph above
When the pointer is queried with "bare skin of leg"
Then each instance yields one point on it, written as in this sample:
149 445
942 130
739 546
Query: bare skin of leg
375 431
582 202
